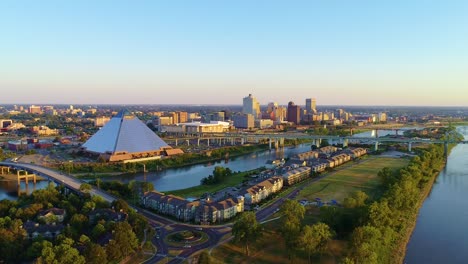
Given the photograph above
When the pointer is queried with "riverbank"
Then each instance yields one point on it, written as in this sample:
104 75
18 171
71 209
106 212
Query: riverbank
184 160
400 252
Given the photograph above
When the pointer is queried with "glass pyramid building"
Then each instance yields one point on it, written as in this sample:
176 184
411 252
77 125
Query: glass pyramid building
125 137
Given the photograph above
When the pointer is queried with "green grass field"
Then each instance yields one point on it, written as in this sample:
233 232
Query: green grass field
340 184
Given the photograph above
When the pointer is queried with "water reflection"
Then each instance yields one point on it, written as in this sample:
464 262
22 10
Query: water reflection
10 189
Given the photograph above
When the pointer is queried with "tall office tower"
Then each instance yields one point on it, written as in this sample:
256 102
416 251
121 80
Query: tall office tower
294 113
311 105
308 105
271 107
251 106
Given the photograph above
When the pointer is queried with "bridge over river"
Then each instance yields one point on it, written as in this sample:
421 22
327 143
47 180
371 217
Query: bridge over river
68 181
276 139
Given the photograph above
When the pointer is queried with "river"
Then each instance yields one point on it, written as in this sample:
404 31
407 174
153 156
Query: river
189 176
441 233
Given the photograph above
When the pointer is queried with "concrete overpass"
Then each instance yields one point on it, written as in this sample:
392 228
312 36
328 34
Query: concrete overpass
58 177
276 139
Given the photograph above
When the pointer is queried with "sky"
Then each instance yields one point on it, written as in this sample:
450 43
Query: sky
217 52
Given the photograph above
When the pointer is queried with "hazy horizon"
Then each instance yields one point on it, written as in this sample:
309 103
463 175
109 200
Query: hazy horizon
367 53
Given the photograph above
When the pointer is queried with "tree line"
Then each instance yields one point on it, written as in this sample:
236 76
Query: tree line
82 239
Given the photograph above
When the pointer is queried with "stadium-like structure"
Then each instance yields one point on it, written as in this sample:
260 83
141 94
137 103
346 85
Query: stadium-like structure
125 137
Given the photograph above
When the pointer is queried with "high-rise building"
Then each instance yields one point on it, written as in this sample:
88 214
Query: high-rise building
311 105
243 121
271 107
182 117
250 105
175 117
294 113
382 117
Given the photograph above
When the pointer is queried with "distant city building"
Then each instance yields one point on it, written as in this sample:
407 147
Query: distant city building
175 117
217 116
196 127
272 107
101 121
311 106
251 106
243 121
4 123
35 109
182 117
382 117
294 113
263 123
44 131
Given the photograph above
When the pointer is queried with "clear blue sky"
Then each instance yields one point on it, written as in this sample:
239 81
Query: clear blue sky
215 52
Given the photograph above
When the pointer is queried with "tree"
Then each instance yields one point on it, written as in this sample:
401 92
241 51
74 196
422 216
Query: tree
86 187
121 205
357 199
63 253
125 239
247 230
315 238
95 254
98 231
293 213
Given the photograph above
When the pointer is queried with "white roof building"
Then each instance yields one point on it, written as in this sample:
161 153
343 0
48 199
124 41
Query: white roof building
125 137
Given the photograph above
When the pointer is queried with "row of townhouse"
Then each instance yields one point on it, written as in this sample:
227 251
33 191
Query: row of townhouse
306 155
297 175
355 152
333 160
340 158
200 212
262 190
328 149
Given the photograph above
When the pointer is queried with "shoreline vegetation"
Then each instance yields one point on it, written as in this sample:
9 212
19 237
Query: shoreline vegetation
400 252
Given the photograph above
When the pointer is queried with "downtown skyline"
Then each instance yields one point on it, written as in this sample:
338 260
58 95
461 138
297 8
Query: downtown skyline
210 52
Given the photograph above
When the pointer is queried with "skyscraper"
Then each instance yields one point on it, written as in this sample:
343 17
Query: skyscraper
294 113
251 106
311 105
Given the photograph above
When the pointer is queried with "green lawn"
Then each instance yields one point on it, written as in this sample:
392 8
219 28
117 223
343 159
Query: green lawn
340 184
230 181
